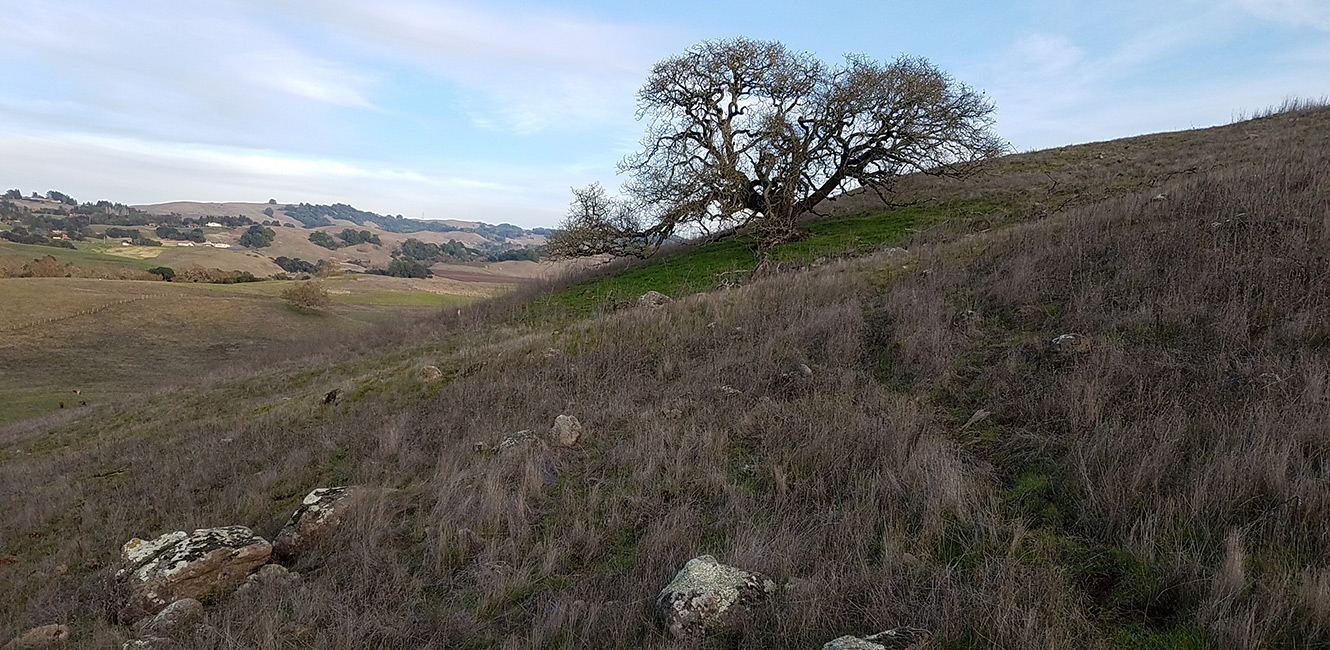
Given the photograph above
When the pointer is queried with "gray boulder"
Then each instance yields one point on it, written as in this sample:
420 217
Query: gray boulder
176 566
898 639
706 596
319 512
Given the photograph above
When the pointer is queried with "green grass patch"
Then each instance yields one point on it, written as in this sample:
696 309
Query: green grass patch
704 266
87 255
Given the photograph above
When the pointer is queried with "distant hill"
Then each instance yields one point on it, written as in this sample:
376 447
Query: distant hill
309 215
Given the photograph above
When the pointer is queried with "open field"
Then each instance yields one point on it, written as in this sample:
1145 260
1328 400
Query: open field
113 338
1096 423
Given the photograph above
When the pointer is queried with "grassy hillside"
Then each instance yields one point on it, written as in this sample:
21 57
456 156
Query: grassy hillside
1103 426
111 339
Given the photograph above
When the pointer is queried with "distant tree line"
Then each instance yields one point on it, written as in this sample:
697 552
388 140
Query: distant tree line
20 235
173 233
348 237
319 216
227 221
295 265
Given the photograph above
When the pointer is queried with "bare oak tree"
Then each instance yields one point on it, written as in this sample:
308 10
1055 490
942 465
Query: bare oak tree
744 132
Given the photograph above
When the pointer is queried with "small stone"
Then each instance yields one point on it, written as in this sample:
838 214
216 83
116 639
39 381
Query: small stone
654 299
566 431
39 637
519 439
151 643
270 575
430 374
1072 343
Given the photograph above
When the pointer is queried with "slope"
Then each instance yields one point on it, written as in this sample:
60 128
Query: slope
1098 427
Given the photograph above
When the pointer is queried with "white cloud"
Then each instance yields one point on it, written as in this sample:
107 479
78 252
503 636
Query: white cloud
528 71
133 171
177 71
1043 55
1308 13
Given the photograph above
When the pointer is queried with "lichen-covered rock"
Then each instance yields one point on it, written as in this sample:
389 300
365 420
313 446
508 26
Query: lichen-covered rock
176 566
39 637
136 552
430 374
898 639
566 431
177 618
706 595
320 512
654 299
519 439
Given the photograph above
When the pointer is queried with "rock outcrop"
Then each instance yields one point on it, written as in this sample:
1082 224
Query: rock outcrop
39 637
177 565
903 638
319 513
706 596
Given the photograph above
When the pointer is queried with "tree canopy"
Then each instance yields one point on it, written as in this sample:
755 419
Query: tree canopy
744 132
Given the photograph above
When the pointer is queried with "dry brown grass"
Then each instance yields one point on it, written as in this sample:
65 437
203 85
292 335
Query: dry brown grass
1163 487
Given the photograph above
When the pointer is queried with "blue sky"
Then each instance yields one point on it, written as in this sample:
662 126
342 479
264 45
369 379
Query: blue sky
493 110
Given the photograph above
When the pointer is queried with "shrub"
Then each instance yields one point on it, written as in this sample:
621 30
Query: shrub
164 272
309 295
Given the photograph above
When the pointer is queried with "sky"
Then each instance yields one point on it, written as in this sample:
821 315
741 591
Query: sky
492 111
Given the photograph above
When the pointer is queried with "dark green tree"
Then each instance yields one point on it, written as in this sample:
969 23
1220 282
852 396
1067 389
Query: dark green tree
257 236
166 272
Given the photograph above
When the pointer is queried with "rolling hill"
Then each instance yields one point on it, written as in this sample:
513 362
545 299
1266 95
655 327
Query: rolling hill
1076 401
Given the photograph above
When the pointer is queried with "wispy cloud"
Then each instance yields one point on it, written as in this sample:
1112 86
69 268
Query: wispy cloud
1307 13
526 71
134 171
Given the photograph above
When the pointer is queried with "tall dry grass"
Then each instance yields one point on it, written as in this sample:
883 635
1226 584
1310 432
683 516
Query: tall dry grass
1163 485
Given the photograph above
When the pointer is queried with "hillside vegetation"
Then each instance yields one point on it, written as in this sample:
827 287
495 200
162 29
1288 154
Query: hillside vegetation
1080 402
